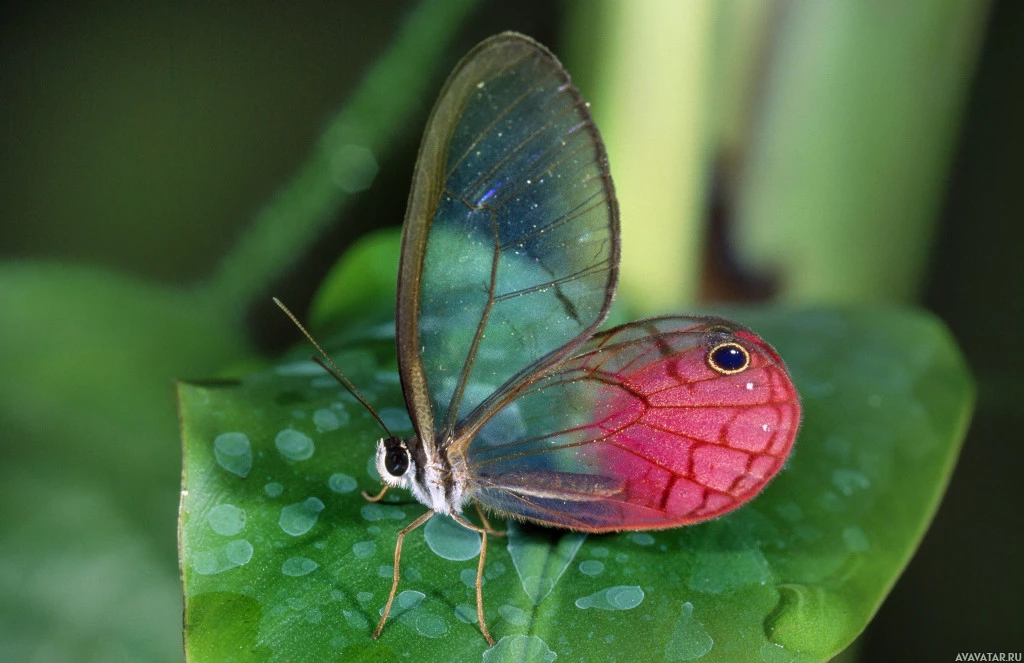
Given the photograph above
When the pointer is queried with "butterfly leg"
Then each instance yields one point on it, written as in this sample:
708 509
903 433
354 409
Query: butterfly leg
483 519
398 556
479 575
375 498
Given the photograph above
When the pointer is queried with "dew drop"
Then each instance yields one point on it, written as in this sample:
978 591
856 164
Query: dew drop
273 489
409 611
374 512
314 616
641 538
689 639
223 558
226 519
297 519
408 599
468 577
355 620
363 597
729 570
450 540
299 369
522 648
513 615
538 565
205 563
855 539
326 419
849 481
341 483
427 624
465 613
386 571
591 567
238 552
773 653
234 453
298 566
620 597
364 549
294 445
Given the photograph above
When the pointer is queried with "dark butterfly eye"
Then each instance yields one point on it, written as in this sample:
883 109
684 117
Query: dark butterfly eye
728 358
396 458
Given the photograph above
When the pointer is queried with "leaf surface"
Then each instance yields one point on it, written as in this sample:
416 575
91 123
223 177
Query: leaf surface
282 558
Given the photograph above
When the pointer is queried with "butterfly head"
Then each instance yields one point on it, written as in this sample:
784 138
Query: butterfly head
394 462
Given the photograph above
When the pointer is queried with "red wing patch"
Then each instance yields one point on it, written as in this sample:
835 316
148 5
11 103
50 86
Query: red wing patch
643 414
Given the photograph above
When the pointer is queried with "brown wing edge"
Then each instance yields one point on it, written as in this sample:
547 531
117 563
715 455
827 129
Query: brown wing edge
425 194
534 371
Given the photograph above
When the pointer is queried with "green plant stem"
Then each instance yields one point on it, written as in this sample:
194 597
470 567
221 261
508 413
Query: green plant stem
843 176
364 128
655 56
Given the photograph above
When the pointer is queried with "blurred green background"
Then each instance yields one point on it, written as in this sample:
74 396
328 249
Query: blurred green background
807 152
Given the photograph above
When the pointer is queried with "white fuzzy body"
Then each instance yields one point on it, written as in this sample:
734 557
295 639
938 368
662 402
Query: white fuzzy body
430 491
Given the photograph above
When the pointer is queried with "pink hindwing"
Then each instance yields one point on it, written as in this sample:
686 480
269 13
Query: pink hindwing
644 428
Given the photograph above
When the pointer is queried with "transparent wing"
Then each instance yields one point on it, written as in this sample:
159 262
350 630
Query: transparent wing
510 246
638 431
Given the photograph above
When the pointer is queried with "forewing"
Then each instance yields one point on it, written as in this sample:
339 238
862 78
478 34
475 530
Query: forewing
510 245
638 431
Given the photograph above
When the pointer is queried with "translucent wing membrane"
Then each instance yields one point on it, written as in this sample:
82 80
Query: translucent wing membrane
510 248
638 430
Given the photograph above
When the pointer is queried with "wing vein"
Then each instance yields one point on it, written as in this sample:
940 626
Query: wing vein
486 130
467 367
516 150
570 216
589 270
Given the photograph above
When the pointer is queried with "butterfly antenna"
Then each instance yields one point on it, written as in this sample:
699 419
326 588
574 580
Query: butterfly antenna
332 368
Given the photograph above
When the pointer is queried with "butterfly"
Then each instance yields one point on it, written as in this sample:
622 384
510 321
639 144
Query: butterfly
509 263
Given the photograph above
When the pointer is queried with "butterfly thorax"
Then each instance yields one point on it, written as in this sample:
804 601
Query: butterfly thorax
426 473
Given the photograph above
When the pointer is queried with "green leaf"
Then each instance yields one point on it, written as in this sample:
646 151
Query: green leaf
370 263
283 559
